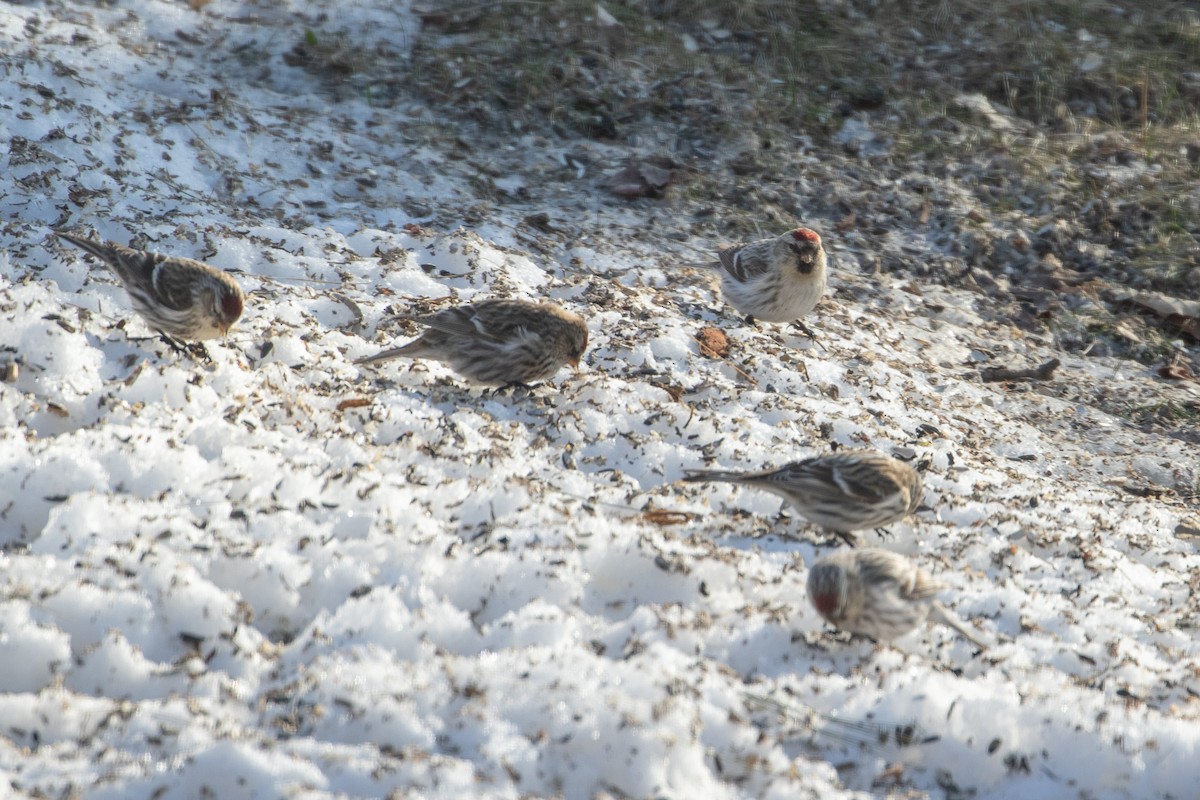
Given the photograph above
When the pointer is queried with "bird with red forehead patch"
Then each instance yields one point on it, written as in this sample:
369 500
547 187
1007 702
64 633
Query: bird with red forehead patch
780 279
179 297
880 594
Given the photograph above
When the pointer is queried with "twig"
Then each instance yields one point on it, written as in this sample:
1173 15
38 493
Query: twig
1042 373
1145 106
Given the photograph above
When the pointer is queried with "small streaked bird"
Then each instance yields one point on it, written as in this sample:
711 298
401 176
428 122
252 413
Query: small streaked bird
178 297
842 492
498 342
779 279
880 594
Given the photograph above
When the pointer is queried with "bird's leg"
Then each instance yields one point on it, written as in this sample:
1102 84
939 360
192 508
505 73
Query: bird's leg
194 350
808 333
884 533
199 352
173 343
850 538
860 638
804 329
833 539
515 386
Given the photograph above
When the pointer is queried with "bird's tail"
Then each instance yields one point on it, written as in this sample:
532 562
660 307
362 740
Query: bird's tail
939 613
414 349
94 246
133 267
700 475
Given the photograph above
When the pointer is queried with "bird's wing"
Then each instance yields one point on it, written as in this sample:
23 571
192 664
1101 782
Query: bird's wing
730 260
172 282
855 481
923 586
457 321
745 261
877 567
480 324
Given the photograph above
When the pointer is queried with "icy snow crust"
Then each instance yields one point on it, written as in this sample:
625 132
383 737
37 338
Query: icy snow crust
223 578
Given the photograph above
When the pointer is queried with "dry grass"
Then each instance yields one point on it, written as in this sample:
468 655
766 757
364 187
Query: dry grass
1093 165
1057 64
1093 87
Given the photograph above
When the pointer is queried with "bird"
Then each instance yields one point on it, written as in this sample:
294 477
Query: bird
779 279
843 492
181 298
880 594
498 342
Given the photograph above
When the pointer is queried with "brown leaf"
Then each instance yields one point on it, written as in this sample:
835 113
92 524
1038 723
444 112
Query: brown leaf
846 223
639 180
1123 329
1044 301
1175 372
353 402
656 177
713 342
1185 314
1039 373
660 516
352 306
541 220
1065 278
450 21
1137 489
627 183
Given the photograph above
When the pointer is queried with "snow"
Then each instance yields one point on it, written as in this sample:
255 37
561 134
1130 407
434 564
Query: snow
220 581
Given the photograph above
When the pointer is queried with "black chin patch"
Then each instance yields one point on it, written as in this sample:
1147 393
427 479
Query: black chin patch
805 258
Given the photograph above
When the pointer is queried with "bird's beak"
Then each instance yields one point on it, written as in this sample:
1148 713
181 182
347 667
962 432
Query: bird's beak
574 362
